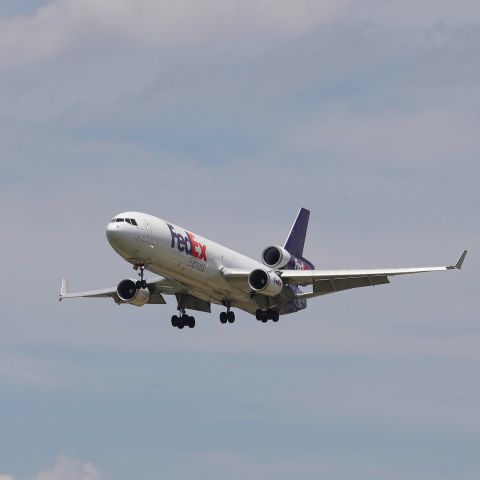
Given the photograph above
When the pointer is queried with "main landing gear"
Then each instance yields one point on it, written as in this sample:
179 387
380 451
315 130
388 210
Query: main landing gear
183 320
227 316
265 315
140 283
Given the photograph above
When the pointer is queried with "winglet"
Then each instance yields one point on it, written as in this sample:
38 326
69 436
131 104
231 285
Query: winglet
459 263
63 289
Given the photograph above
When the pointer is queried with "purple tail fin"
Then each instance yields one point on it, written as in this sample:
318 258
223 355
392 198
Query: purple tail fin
296 240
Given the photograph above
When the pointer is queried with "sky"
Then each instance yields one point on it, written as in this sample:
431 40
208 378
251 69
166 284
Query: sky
226 117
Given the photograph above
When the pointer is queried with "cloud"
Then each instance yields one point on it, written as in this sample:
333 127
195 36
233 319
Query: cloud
66 468
411 14
366 112
26 370
64 24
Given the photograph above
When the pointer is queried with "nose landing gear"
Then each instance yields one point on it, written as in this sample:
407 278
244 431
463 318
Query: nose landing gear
140 283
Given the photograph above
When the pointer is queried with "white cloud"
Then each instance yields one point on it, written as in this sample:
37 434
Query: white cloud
66 468
428 136
63 24
20 369
412 13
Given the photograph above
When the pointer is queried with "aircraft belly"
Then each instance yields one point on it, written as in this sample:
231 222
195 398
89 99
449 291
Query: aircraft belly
200 275
202 280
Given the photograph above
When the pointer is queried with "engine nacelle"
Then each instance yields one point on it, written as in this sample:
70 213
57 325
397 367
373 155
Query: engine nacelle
276 257
127 292
265 282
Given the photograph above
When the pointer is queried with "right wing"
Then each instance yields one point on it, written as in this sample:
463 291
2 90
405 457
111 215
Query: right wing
157 287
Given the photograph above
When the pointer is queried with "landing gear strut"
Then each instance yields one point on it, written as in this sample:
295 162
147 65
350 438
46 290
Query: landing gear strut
227 316
140 283
182 320
265 315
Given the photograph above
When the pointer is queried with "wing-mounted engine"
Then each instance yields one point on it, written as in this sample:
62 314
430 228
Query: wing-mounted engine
128 292
278 257
265 282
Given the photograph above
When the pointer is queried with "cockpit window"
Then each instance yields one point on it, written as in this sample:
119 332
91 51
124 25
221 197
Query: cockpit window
131 221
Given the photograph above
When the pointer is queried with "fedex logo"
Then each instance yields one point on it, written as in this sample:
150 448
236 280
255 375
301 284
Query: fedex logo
300 264
188 244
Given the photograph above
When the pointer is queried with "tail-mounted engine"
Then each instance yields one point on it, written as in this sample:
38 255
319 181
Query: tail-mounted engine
278 257
128 292
265 282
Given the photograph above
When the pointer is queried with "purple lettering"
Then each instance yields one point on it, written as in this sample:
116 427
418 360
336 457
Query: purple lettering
180 243
173 234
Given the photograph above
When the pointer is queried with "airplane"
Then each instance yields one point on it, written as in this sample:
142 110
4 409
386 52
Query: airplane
200 272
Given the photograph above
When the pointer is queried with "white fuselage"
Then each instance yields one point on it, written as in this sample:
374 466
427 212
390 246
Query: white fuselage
180 255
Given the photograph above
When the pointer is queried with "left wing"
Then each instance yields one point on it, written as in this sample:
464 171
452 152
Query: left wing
330 281
307 277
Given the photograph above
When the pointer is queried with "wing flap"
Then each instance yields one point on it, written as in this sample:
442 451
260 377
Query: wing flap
193 303
329 281
308 277
322 287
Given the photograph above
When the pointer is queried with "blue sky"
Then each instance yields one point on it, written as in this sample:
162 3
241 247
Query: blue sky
227 117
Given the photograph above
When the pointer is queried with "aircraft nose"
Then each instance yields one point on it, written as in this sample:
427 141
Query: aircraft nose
113 231
122 237
116 236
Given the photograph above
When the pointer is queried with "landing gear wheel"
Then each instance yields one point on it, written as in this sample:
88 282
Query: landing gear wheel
230 317
187 321
223 317
182 320
275 316
263 316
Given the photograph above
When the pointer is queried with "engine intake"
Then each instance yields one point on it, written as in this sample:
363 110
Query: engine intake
128 293
276 257
265 282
